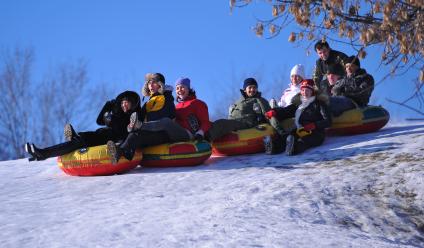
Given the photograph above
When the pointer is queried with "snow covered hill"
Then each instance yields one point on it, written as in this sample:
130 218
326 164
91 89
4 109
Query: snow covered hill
357 191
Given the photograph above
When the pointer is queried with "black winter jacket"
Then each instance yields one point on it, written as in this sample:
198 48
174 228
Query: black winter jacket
316 112
357 87
112 115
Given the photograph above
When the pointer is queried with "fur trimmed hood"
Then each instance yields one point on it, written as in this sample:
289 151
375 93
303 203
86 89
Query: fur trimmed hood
155 76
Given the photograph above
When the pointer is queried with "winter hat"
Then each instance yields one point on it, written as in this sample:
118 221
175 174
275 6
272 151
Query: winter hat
307 83
158 77
298 70
335 69
183 81
248 82
352 60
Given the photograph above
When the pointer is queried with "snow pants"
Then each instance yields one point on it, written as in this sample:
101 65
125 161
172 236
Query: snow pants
339 104
222 127
99 137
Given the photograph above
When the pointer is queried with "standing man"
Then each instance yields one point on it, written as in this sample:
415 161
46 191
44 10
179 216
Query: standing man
327 56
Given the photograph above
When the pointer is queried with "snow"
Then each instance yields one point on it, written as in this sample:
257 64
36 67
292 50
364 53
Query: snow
354 191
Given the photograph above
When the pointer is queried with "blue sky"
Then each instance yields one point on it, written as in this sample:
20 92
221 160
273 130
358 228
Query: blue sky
123 40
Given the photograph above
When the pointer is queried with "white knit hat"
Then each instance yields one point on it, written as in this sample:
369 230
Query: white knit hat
298 70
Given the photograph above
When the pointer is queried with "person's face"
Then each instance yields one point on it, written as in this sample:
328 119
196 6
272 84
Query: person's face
153 86
296 79
351 68
306 92
125 105
251 90
332 78
323 53
182 91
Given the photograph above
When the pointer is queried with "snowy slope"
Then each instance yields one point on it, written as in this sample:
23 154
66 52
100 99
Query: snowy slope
358 191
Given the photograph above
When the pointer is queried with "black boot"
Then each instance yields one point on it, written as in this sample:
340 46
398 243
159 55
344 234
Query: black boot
34 152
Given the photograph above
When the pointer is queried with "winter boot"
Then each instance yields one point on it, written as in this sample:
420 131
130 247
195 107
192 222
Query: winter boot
134 124
69 133
268 144
34 152
290 145
113 151
273 145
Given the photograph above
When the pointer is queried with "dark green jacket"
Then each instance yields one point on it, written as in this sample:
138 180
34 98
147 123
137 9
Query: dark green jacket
244 109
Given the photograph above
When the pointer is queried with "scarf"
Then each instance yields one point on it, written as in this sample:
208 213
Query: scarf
299 110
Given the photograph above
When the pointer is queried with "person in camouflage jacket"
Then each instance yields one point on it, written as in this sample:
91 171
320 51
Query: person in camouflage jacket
245 113
356 87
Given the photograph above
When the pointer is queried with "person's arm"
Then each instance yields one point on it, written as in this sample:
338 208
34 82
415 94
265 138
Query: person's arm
284 113
169 105
202 114
104 117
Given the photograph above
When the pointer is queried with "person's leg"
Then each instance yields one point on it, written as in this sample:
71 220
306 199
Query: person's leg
175 132
99 137
339 104
306 142
135 140
53 151
222 127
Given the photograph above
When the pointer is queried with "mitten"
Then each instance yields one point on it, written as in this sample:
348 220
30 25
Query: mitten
301 132
309 127
270 114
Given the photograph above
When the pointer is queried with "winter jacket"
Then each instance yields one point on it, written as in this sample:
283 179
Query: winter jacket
192 114
290 95
112 115
325 87
316 112
321 66
357 87
158 106
243 110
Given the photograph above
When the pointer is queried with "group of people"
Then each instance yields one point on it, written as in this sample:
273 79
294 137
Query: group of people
338 84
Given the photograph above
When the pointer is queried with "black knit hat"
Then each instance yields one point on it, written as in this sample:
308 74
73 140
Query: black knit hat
335 69
249 81
353 60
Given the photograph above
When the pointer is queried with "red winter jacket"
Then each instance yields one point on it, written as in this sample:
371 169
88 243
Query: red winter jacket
192 114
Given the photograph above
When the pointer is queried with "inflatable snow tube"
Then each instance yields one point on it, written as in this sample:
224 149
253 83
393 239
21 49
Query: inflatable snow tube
360 120
244 141
176 154
95 161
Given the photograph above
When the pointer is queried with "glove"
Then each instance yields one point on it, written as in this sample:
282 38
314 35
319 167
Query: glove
198 136
309 127
270 114
301 132
107 118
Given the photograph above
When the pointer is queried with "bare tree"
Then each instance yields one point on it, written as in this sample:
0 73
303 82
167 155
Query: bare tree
65 96
396 25
37 111
15 102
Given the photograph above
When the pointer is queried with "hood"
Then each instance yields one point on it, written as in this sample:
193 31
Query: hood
132 96
146 92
